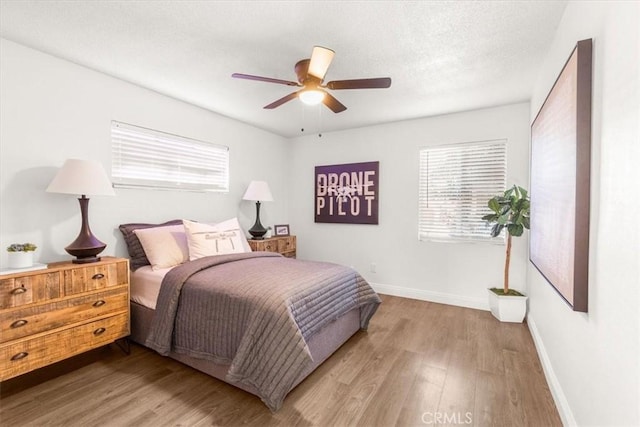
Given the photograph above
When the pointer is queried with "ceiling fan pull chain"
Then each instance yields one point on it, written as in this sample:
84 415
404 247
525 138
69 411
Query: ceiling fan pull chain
319 121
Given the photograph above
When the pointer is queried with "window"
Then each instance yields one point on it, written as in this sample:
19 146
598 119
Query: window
146 158
456 181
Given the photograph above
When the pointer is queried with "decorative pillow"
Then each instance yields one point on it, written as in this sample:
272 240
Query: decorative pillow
137 257
232 224
165 246
219 239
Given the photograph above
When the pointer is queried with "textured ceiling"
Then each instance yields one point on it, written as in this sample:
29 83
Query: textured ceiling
442 57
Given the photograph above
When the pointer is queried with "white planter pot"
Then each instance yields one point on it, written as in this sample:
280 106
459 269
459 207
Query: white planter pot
507 308
20 259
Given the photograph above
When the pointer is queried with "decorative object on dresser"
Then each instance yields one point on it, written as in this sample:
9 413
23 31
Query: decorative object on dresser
281 230
21 255
285 245
84 177
66 309
511 214
258 191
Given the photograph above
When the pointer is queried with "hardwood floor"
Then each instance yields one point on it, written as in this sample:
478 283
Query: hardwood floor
420 363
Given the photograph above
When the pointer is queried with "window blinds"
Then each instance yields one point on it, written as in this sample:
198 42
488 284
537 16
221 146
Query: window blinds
152 159
456 182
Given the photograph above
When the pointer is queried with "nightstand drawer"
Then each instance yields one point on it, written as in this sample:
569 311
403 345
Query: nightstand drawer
24 356
286 244
19 323
267 246
28 289
93 277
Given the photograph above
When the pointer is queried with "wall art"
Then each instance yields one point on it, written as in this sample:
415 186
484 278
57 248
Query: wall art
347 193
560 173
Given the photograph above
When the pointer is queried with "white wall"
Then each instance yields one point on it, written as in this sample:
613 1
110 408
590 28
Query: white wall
592 360
51 110
454 273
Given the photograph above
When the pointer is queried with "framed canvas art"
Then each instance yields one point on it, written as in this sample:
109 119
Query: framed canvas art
347 193
560 174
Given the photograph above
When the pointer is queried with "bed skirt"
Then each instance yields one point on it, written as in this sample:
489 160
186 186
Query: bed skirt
321 345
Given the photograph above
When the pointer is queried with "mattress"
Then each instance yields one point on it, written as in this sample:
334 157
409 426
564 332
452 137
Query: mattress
145 285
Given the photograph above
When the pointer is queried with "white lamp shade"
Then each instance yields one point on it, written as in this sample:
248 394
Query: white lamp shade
259 191
83 177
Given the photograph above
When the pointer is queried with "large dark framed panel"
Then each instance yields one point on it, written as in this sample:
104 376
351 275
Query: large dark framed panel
560 173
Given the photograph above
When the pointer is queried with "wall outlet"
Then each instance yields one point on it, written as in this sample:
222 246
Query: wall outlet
373 267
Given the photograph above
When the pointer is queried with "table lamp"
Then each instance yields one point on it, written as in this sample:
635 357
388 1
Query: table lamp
83 177
258 191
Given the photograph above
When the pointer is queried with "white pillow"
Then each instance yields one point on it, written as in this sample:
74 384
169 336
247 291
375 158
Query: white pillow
232 224
214 239
164 246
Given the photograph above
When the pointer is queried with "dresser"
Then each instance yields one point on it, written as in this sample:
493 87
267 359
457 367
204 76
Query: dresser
285 245
51 314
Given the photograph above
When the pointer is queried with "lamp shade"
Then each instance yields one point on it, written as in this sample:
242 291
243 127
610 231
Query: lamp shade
259 191
84 177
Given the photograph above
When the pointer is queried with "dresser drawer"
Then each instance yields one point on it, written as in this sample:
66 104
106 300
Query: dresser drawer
21 322
286 244
89 278
26 355
267 246
28 289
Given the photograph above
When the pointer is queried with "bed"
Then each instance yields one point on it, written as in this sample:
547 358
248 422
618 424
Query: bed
256 320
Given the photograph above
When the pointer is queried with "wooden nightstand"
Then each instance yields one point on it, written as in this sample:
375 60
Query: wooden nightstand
66 309
285 245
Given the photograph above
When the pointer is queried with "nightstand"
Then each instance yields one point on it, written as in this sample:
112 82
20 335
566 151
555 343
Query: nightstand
51 314
285 245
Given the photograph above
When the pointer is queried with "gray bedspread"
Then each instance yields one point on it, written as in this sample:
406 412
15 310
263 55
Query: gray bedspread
255 311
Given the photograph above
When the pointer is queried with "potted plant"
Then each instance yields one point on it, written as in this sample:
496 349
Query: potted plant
510 212
21 255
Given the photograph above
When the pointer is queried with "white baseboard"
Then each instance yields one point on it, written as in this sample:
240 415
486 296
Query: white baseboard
554 385
439 297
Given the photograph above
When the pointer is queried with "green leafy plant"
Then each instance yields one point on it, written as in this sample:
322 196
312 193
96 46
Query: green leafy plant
24 247
510 212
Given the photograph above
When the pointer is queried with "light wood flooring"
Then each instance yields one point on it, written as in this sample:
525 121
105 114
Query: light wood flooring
419 364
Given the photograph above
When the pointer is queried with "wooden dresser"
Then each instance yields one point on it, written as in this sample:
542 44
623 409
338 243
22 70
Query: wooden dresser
285 245
51 314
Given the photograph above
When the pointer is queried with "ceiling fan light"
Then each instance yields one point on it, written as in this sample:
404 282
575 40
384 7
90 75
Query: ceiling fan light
311 96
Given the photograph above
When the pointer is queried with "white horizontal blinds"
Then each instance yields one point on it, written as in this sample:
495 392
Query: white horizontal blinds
456 182
153 159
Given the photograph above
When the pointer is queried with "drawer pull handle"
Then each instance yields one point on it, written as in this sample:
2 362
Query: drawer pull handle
268 246
18 291
99 303
99 331
19 356
98 276
19 323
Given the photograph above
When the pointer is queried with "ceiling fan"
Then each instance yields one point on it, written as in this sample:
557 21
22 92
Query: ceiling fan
310 74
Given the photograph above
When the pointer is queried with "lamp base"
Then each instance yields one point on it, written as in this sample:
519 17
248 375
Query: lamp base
259 236
86 254
86 260
258 231
86 246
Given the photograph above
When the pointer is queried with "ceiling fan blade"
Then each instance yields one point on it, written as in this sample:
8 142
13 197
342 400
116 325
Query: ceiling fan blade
321 58
279 102
264 79
378 83
333 104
